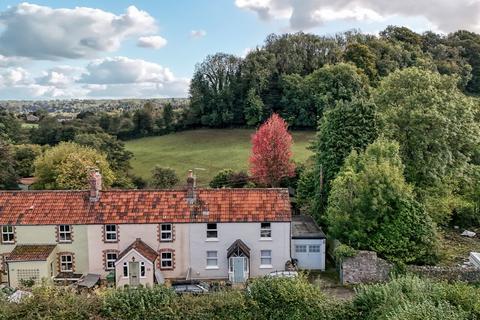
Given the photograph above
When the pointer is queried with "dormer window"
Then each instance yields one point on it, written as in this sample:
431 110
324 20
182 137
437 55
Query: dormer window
111 233
64 233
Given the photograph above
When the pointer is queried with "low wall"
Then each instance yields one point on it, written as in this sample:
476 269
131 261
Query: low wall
364 267
466 274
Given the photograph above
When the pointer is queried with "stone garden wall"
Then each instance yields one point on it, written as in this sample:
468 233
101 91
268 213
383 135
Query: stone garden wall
364 267
460 273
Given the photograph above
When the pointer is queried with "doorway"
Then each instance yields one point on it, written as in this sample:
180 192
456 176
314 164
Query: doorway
134 275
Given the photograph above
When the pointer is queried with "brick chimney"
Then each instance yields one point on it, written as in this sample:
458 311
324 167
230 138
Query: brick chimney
191 197
95 181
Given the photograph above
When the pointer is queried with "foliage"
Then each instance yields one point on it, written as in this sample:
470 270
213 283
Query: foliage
343 251
371 207
163 178
24 156
305 192
436 127
411 298
137 303
8 176
10 128
291 298
67 166
349 126
271 152
227 178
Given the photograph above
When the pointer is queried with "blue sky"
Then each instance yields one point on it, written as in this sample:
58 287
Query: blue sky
122 49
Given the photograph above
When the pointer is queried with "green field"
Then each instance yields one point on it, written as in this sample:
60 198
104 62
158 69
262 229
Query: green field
210 149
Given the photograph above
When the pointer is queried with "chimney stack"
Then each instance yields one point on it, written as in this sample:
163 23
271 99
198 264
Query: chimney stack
95 181
191 187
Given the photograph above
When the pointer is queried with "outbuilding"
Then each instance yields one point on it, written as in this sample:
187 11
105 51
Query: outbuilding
308 243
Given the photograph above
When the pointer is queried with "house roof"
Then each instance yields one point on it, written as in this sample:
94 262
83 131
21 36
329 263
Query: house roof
143 206
304 227
142 248
27 252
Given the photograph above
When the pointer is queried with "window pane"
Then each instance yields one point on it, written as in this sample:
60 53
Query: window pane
314 248
166 227
301 248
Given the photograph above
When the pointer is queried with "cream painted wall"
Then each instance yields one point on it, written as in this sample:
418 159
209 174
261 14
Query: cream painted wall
47 235
44 268
121 281
249 233
148 233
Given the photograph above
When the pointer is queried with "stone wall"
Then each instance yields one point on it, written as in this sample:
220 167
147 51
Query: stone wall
460 273
364 267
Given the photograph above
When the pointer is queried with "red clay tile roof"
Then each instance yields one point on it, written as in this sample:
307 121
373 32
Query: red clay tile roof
143 206
142 248
27 252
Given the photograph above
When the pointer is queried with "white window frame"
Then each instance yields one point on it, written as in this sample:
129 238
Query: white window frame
265 259
212 259
110 232
9 231
64 262
67 235
125 269
112 261
314 251
303 246
265 231
170 260
213 231
166 232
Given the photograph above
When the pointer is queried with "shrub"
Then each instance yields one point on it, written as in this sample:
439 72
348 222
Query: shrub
227 178
427 310
137 303
163 178
49 302
291 298
343 251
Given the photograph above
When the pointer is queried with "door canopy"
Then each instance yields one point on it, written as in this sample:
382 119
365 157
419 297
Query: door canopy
238 249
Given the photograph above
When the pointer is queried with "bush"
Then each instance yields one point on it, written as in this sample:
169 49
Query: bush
163 178
227 178
49 302
391 300
137 303
291 298
343 251
426 310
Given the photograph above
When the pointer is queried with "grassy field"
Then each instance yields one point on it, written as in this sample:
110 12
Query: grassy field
210 149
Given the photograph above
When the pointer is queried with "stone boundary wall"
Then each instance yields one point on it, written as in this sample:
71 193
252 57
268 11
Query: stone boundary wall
466 274
364 267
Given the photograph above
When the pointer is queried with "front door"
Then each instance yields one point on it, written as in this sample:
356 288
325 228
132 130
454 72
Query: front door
134 270
238 272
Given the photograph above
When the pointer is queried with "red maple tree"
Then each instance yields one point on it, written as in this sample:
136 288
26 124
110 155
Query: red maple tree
270 160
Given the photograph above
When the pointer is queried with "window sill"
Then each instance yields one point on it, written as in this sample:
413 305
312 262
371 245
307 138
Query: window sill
8 242
266 266
212 268
111 241
65 242
266 239
211 240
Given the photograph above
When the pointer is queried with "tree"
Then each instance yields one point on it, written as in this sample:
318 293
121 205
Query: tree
117 156
253 108
227 178
333 83
143 121
168 117
270 160
8 176
10 127
361 55
24 156
350 125
433 122
371 207
163 178
67 165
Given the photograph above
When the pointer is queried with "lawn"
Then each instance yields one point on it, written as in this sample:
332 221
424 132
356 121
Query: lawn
209 149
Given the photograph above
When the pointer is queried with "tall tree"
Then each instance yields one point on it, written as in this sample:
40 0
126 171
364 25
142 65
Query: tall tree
349 126
8 176
67 165
270 160
372 207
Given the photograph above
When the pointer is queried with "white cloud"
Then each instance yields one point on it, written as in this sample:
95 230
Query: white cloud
125 70
155 42
444 15
15 76
197 34
41 32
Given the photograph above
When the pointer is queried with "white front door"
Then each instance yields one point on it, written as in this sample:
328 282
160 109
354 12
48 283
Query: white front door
134 276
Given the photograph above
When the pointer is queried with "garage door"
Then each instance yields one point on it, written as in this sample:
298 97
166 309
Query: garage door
309 256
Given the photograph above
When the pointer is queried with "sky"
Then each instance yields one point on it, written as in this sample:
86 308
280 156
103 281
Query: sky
148 49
